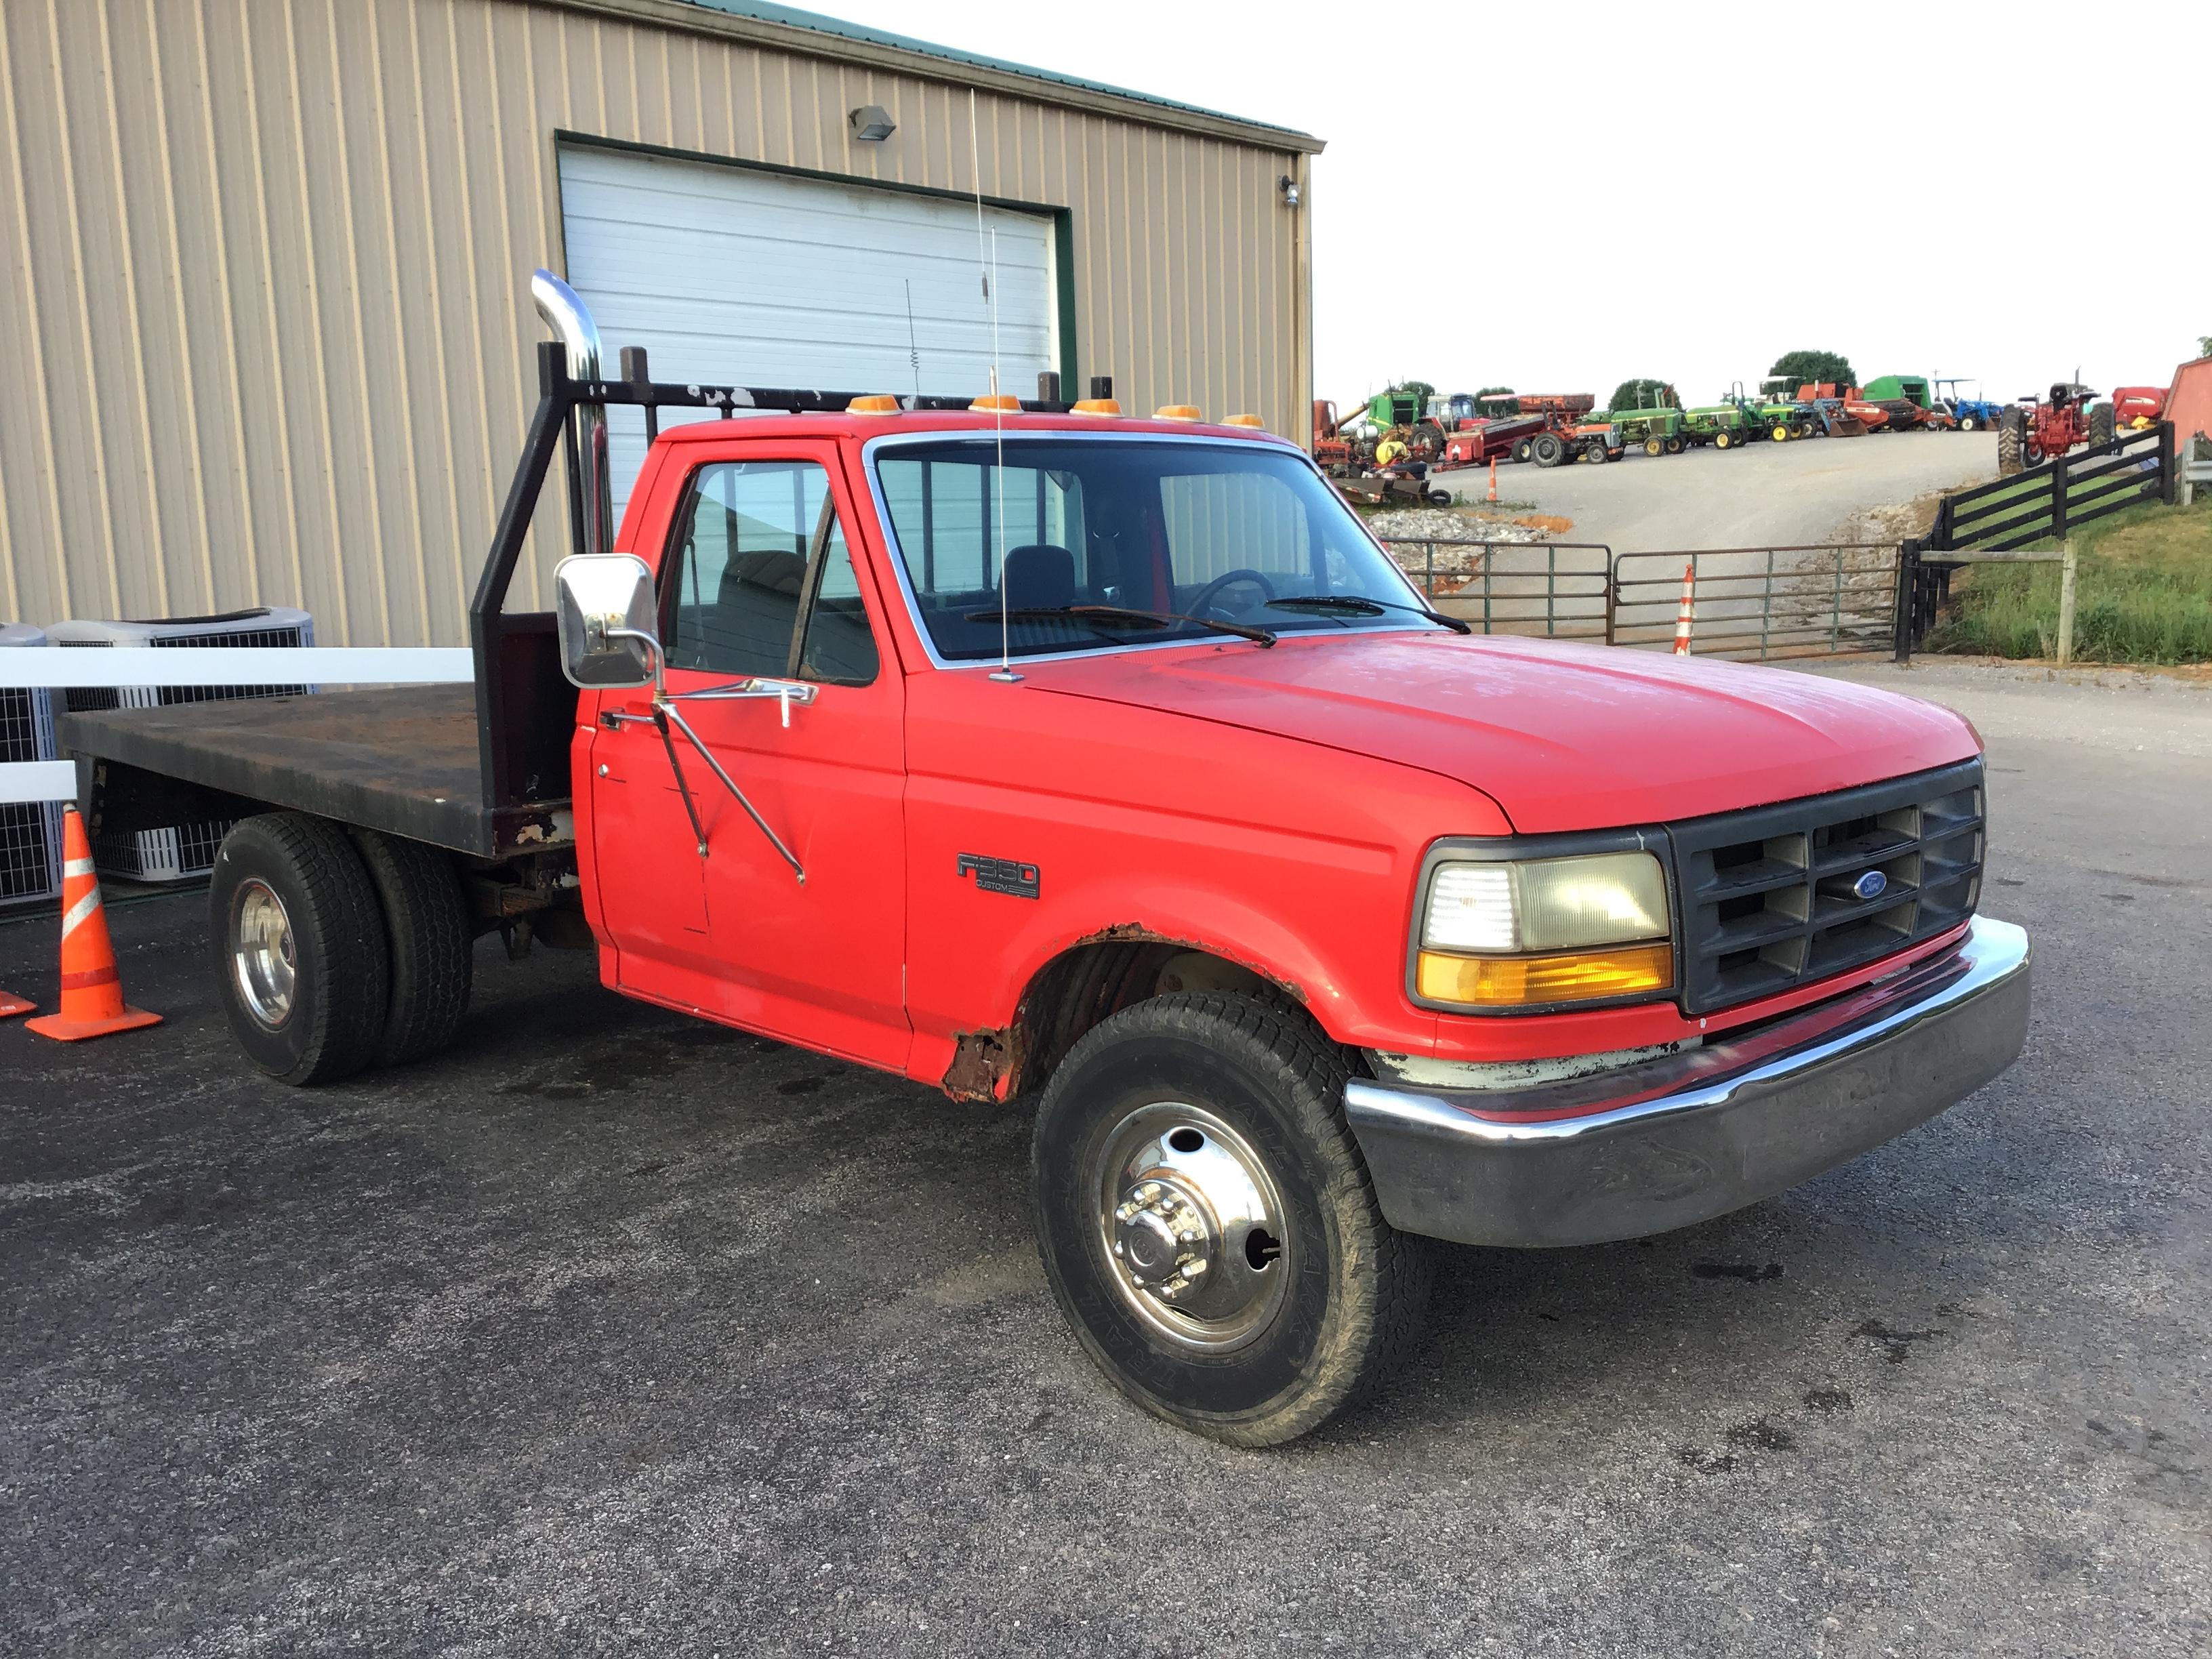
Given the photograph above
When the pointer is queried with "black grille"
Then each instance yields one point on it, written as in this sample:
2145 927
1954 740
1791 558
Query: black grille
1767 894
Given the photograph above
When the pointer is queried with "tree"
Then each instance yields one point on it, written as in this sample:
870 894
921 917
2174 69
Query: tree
1491 392
1644 394
1420 389
2204 346
1811 367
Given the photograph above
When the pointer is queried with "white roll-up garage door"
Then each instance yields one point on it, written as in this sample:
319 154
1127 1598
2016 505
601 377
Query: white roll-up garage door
729 274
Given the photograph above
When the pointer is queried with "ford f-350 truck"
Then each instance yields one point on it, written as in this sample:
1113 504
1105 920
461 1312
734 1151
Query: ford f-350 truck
1032 751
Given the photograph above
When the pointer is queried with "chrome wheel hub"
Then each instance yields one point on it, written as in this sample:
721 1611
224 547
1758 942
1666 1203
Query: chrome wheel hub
262 953
1193 1225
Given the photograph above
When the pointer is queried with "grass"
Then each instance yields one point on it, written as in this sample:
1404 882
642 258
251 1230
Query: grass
2143 594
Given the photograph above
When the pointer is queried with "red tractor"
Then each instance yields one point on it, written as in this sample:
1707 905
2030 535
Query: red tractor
2035 429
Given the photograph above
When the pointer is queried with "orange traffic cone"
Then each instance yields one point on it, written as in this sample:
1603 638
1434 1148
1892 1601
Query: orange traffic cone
1494 479
91 988
1682 617
11 1005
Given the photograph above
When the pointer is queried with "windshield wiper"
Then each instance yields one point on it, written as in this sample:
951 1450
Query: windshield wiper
1362 605
1099 614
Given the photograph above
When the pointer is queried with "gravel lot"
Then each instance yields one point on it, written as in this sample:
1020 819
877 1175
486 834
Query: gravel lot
1762 495
615 1332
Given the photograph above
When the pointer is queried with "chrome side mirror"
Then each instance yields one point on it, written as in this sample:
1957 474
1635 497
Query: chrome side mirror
606 612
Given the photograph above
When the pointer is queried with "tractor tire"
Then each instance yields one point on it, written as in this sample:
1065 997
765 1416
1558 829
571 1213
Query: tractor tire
1724 439
1675 446
299 948
1521 451
431 941
1967 423
1210 1127
1779 432
1595 452
1655 446
2100 424
1548 449
2012 442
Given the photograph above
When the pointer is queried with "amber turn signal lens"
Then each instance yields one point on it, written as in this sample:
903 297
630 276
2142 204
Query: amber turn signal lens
1532 981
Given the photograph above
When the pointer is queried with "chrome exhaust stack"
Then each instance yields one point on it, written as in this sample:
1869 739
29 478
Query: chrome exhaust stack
566 315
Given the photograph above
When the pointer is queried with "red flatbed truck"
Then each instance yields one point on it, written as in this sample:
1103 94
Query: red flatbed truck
1316 929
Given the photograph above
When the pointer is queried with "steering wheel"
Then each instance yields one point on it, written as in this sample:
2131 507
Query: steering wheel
1204 597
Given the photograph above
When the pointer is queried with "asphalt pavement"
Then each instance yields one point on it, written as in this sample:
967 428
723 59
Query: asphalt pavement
613 1332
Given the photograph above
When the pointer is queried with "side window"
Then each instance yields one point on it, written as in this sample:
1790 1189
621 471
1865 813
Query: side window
736 582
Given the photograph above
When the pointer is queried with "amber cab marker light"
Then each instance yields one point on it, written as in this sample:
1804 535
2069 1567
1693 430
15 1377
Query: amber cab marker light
996 402
1178 412
1252 421
1102 407
876 404
1533 982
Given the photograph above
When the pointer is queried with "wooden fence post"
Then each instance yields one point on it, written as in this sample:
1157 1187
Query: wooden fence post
1908 598
2167 454
2065 603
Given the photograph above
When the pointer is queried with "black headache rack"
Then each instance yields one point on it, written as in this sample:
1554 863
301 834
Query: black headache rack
484 774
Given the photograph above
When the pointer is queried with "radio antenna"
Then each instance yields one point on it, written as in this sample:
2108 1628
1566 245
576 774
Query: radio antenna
913 345
986 255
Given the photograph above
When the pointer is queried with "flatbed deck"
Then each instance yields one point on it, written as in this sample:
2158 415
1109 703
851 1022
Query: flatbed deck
405 760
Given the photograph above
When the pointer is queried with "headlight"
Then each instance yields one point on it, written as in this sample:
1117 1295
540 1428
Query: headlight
1542 931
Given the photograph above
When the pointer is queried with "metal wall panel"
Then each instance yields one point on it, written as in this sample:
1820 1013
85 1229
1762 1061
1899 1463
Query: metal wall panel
264 265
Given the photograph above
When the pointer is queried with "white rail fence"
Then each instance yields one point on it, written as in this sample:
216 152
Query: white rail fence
60 668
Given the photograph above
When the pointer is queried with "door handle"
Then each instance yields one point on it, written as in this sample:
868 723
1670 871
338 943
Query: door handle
785 693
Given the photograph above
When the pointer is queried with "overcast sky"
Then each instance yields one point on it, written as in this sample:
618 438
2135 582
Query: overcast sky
1559 197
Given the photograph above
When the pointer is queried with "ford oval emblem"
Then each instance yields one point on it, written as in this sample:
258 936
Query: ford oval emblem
1872 884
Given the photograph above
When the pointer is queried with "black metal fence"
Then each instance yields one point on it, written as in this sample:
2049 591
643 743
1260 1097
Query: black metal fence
2042 503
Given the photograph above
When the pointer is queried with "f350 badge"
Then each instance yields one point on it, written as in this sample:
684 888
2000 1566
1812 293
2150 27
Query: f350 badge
1008 876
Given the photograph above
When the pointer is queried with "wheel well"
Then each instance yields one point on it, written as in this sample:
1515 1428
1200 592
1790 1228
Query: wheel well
1084 985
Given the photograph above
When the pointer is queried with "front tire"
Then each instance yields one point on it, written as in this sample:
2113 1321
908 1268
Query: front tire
1207 1224
299 947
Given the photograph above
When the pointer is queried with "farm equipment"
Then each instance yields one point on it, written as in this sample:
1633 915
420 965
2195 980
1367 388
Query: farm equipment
1778 416
1346 446
2038 430
1724 426
2135 407
1973 413
1911 403
1838 411
1596 441
1512 422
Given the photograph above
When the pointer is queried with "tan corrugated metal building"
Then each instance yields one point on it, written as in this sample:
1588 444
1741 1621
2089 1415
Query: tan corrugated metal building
267 333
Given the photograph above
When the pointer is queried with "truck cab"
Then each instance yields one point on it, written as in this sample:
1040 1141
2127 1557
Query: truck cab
1037 752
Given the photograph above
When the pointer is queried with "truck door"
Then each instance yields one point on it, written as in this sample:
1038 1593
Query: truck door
759 585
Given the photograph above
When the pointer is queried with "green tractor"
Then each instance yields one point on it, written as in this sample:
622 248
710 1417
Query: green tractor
1776 410
1723 425
1659 426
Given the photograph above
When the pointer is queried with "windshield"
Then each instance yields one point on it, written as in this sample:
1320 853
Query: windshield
1103 543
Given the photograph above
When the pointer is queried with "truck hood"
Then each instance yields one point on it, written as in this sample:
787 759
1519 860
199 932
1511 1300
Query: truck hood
1561 736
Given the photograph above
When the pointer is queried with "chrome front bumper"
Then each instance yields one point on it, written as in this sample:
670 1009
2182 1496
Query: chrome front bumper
1678 1139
